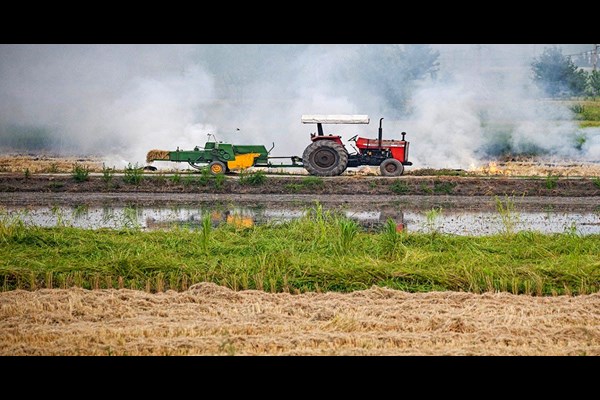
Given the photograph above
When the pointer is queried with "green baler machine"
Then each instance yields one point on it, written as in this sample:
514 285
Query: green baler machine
326 155
222 157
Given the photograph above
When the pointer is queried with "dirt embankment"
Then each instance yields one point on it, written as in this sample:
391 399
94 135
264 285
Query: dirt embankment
340 185
409 192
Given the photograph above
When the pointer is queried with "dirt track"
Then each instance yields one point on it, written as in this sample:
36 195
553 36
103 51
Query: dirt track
411 192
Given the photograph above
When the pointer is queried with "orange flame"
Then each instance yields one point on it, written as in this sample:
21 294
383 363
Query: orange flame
492 169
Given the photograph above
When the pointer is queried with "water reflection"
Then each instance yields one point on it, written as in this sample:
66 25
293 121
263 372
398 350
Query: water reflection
451 222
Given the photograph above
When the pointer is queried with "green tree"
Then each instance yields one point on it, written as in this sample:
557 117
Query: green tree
557 75
594 83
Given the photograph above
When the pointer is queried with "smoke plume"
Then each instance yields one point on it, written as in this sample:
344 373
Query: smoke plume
120 101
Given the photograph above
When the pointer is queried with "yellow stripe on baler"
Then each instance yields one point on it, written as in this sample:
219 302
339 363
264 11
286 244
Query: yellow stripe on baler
242 161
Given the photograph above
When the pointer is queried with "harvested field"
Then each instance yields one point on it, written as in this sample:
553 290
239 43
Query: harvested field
528 167
18 163
211 320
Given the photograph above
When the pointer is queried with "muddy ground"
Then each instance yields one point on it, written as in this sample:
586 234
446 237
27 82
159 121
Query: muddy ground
212 320
407 192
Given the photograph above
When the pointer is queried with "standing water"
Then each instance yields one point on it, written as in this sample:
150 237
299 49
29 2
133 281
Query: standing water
470 223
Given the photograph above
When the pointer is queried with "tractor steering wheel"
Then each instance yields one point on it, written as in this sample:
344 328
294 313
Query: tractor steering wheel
353 138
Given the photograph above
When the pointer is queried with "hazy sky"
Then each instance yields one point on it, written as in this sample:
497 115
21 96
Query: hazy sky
120 101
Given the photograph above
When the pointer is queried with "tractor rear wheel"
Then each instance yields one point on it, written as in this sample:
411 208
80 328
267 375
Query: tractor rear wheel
391 167
325 158
217 168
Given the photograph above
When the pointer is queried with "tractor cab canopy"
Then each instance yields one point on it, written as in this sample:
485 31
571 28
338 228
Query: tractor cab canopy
335 119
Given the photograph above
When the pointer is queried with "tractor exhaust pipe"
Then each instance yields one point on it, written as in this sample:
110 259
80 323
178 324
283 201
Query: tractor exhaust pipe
380 132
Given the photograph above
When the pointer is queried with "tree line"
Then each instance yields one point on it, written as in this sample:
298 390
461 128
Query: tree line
557 75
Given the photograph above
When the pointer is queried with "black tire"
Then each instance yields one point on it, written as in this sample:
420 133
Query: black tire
325 158
391 167
217 168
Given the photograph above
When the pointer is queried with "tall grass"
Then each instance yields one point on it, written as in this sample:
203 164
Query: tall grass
508 216
205 232
320 252
348 229
107 173
175 178
80 173
399 187
431 220
255 178
551 181
391 240
219 181
133 174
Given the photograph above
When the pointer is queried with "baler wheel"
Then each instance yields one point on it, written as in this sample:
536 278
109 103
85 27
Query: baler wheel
391 167
325 158
217 168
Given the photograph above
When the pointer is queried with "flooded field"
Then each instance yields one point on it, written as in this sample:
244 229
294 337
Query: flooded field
450 221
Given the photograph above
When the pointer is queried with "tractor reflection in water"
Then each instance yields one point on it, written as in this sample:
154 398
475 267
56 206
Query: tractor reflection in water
237 218
240 218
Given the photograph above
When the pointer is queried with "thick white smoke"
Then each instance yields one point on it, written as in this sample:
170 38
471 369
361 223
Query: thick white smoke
120 101
484 105
116 101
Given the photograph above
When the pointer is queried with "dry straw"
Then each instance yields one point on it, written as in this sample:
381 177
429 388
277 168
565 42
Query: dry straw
157 155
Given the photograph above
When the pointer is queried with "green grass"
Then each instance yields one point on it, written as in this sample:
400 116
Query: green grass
586 110
293 187
551 181
80 173
312 181
399 187
219 181
175 178
320 252
255 178
508 216
189 180
307 182
589 124
107 174
440 187
133 174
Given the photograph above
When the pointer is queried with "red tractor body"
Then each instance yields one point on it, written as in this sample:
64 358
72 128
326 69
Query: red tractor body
327 156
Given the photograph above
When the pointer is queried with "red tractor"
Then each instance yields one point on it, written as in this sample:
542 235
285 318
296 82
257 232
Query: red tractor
327 156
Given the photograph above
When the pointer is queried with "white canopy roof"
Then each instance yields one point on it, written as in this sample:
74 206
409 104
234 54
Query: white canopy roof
335 119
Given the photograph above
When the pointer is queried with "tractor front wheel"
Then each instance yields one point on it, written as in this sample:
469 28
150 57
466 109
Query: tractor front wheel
391 167
325 158
217 168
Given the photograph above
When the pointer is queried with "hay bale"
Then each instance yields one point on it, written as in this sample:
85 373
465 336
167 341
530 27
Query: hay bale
157 155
